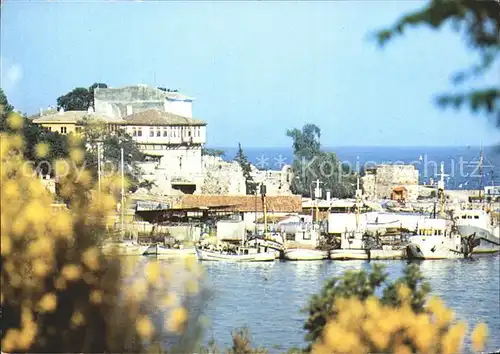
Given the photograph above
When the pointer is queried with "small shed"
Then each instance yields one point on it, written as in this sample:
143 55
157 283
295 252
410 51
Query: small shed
399 193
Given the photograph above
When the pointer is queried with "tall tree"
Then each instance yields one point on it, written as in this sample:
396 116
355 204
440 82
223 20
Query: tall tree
305 141
242 160
479 21
311 164
80 98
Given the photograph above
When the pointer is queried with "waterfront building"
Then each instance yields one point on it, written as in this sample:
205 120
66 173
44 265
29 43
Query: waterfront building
73 121
397 182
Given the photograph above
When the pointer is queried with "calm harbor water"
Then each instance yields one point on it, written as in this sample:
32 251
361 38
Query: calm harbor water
267 297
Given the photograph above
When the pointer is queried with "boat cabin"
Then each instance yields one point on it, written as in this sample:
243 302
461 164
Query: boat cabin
434 227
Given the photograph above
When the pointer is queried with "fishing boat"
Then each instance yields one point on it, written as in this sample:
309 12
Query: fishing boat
480 224
436 238
123 248
352 241
162 251
304 254
241 254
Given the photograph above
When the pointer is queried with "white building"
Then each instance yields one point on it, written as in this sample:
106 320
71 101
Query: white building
124 101
175 144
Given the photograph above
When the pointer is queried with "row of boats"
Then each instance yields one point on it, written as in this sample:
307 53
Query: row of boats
458 231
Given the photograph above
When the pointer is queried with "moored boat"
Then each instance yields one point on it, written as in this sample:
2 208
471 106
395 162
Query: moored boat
242 254
123 248
436 240
349 254
169 252
304 254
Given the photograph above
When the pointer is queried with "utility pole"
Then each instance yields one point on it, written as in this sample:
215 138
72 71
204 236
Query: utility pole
480 169
122 192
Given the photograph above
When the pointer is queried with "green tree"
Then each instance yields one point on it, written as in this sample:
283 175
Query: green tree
5 109
361 285
95 132
79 99
212 152
242 160
479 22
311 164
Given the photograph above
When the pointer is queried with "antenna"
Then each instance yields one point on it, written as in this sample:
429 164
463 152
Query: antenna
480 169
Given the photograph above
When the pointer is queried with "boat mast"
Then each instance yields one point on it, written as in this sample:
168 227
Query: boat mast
440 186
358 202
480 169
263 195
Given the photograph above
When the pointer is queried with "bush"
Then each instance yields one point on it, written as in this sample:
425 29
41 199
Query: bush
59 293
348 317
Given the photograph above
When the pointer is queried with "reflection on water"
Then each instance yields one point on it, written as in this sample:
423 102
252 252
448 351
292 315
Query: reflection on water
268 297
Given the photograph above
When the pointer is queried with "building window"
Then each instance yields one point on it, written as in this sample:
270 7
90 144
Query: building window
151 132
158 132
134 132
165 132
139 131
189 132
63 130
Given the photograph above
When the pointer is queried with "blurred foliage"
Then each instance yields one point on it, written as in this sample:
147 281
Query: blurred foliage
59 293
479 23
311 163
364 312
95 132
53 144
212 152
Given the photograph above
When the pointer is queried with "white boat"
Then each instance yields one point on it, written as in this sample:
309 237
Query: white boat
349 254
243 254
479 222
304 254
123 248
435 240
169 252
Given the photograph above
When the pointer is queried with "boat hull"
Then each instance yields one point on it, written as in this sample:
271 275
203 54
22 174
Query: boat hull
124 250
433 247
386 254
301 254
347 254
166 252
488 243
206 255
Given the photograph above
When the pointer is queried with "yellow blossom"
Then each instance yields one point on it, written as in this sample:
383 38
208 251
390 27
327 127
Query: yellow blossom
152 272
144 327
77 319
177 320
10 340
48 303
77 155
42 150
40 268
5 245
96 297
479 336
91 258
452 340
71 272
62 224
15 121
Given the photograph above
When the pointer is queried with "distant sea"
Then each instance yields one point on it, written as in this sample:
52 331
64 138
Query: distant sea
460 163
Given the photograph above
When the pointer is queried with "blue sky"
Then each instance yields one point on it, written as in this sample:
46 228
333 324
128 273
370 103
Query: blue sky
255 68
